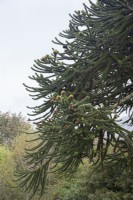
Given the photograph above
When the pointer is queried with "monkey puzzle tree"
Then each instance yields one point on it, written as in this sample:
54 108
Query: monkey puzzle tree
84 89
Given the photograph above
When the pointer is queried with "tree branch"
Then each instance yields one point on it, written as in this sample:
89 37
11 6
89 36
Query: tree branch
123 100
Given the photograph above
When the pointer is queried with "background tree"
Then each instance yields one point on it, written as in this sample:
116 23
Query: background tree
84 89
12 128
12 125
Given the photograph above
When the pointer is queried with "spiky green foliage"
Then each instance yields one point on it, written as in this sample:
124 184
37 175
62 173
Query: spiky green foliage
83 90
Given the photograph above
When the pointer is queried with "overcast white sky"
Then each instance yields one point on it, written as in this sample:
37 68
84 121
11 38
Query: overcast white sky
27 28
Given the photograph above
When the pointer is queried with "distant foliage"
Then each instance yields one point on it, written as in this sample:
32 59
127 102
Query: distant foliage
12 145
11 125
8 189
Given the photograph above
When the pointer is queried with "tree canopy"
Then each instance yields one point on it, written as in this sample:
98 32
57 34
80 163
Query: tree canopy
12 142
11 125
84 89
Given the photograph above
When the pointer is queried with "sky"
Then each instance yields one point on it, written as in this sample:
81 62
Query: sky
27 28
